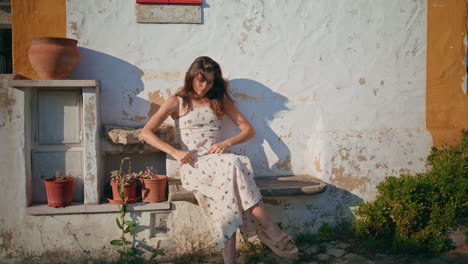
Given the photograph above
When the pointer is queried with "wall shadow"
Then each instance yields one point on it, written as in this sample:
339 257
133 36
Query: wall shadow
259 104
120 84
307 213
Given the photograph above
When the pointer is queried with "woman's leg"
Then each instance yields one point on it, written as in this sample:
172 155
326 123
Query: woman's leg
266 222
229 251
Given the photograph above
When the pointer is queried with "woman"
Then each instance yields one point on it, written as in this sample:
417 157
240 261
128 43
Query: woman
222 182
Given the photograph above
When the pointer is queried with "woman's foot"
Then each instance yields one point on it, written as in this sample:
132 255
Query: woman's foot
284 246
273 231
272 235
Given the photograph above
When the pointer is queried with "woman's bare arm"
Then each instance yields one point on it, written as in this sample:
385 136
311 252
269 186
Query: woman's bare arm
169 107
247 131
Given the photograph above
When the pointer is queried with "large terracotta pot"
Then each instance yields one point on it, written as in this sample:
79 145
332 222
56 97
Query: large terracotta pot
154 190
129 191
53 58
59 193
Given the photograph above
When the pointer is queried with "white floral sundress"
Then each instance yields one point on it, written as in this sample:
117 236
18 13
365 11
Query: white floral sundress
223 184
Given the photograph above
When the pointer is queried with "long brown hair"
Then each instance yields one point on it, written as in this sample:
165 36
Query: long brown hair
219 94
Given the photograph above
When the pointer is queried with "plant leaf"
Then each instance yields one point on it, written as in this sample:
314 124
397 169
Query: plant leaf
131 251
118 223
129 229
117 242
130 223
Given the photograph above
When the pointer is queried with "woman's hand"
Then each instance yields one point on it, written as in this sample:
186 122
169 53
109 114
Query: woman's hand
184 157
220 147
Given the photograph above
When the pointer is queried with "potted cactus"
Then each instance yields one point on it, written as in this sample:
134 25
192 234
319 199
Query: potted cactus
123 185
153 186
59 189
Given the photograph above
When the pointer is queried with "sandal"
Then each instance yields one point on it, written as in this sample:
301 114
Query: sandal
284 247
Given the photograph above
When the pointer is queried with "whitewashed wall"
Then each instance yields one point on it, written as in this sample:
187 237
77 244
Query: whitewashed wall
314 77
334 88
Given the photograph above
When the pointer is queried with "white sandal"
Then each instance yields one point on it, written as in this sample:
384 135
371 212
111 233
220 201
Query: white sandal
284 247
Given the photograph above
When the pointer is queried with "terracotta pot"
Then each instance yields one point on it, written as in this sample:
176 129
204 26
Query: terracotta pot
154 190
129 191
59 193
53 58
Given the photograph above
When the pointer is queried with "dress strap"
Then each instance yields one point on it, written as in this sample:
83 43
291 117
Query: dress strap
181 101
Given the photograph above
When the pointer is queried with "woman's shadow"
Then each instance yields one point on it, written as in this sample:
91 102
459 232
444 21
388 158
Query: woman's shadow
259 104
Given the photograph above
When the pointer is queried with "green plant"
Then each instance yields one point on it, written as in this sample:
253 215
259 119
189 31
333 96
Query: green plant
120 177
321 248
255 253
280 225
413 213
148 173
303 239
325 233
127 254
124 225
60 176
157 252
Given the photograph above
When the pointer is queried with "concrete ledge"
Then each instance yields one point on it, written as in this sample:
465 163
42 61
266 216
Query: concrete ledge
80 208
269 186
54 83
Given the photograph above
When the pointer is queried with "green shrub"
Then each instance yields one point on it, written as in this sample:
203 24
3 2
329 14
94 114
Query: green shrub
413 213
303 239
325 233
321 248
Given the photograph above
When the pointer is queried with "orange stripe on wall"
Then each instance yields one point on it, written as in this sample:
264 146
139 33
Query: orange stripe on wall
446 102
34 18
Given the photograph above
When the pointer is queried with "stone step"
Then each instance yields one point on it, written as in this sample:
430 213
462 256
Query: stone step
269 186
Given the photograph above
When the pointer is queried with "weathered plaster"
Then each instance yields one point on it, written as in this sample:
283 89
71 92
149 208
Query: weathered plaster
356 161
156 101
7 101
92 145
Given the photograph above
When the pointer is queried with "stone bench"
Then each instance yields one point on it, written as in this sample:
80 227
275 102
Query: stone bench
125 140
269 186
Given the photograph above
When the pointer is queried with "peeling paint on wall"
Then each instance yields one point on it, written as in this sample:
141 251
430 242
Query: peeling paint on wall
7 101
352 160
156 101
74 29
7 240
285 164
149 74
246 97
348 181
134 118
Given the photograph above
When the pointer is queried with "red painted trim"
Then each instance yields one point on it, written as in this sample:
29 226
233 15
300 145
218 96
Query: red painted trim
192 2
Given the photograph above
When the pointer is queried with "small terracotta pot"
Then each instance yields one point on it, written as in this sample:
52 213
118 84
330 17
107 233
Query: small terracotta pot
129 191
59 193
53 58
154 190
